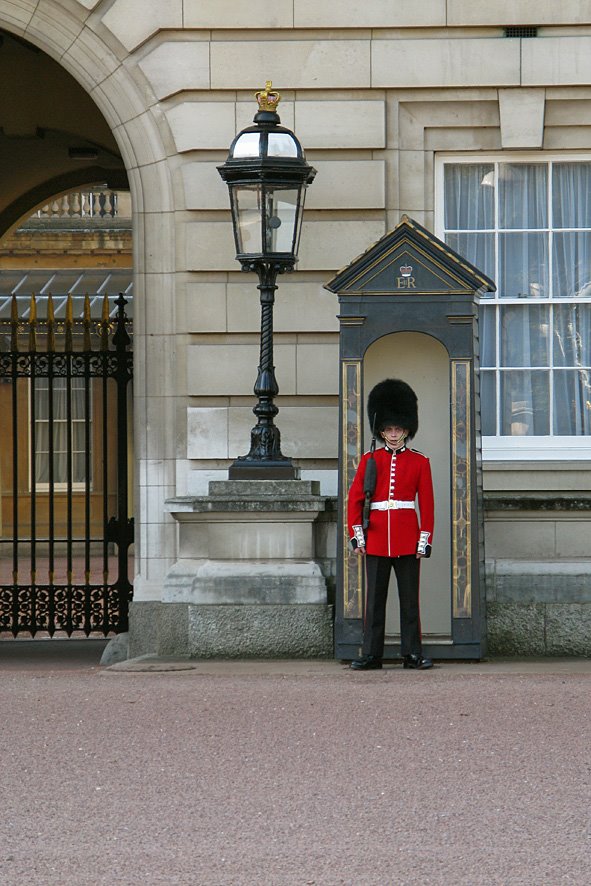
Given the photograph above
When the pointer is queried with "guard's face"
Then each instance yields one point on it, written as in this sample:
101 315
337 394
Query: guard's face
394 436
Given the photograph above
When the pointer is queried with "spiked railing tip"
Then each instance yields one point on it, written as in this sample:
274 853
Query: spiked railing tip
33 325
14 325
86 322
69 342
105 324
50 325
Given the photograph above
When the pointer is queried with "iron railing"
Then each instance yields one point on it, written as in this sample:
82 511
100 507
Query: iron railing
67 533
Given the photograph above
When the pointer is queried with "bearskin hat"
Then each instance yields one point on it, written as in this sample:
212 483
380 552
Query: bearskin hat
393 402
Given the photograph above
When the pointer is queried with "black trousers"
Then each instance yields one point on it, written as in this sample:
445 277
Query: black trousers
407 570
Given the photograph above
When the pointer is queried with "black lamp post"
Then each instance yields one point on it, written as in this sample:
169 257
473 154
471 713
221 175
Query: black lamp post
267 176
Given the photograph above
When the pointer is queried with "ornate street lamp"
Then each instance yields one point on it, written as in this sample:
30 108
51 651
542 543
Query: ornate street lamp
267 176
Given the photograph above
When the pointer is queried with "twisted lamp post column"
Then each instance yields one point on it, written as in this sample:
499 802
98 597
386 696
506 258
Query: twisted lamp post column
265 439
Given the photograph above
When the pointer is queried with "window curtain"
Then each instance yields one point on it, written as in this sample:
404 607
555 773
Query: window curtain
469 197
59 430
487 336
524 338
542 362
572 386
571 278
571 208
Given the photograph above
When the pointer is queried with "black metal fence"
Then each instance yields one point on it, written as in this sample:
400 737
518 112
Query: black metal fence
64 480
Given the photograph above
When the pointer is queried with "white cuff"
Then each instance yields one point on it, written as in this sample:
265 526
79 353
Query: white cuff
358 537
424 542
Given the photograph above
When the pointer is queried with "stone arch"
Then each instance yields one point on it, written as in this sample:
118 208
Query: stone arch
76 38
118 90
36 197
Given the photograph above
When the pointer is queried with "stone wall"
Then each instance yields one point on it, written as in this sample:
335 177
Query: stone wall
539 608
539 573
375 91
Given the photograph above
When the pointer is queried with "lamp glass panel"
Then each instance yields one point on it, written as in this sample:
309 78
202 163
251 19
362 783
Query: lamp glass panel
281 218
281 144
298 230
247 217
247 145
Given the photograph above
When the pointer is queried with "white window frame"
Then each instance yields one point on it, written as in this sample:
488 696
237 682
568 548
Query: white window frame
62 485
516 448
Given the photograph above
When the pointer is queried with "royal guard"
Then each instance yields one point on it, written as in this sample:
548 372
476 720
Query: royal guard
384 526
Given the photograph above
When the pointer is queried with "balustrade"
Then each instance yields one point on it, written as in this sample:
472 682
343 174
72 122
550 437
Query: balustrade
87 204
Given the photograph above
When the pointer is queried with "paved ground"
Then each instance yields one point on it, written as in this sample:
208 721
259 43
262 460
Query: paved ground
291 773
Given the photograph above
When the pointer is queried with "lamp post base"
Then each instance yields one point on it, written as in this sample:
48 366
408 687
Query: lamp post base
246 468
252 576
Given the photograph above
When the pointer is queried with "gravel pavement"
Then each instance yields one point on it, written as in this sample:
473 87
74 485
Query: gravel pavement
291 773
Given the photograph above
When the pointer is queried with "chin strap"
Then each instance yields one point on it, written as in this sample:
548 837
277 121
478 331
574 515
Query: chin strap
398 444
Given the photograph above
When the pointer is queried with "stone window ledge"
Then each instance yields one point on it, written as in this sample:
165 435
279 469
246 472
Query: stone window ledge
531 501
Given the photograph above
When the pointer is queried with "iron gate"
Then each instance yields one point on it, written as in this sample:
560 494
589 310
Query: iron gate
67 532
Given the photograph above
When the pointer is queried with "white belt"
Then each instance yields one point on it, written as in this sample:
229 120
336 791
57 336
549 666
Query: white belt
391 505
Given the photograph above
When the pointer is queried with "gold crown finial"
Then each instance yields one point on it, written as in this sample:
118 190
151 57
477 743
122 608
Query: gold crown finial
268 98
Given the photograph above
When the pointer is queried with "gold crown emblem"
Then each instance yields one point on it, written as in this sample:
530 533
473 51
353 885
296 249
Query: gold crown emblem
268 98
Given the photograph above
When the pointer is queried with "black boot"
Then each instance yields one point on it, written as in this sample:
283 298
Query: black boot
417 662
367 663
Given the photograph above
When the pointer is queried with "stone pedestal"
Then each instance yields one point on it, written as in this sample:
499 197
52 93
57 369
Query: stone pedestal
248 581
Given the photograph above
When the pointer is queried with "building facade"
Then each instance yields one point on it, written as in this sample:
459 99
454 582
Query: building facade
472 118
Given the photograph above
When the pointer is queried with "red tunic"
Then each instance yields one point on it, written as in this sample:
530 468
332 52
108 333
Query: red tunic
401 476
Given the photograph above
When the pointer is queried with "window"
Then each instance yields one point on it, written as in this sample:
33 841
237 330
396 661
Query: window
527 224
59 424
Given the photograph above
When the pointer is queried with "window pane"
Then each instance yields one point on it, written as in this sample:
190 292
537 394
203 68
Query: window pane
248 206
281 144
78 475
523 195
571 195
41 467
523 265
535 357
469 196
248 145
78 437
41 403
281 211
524 335
55 435
487 331
572 402
572 335
477 248
571 270
524 403
488 404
